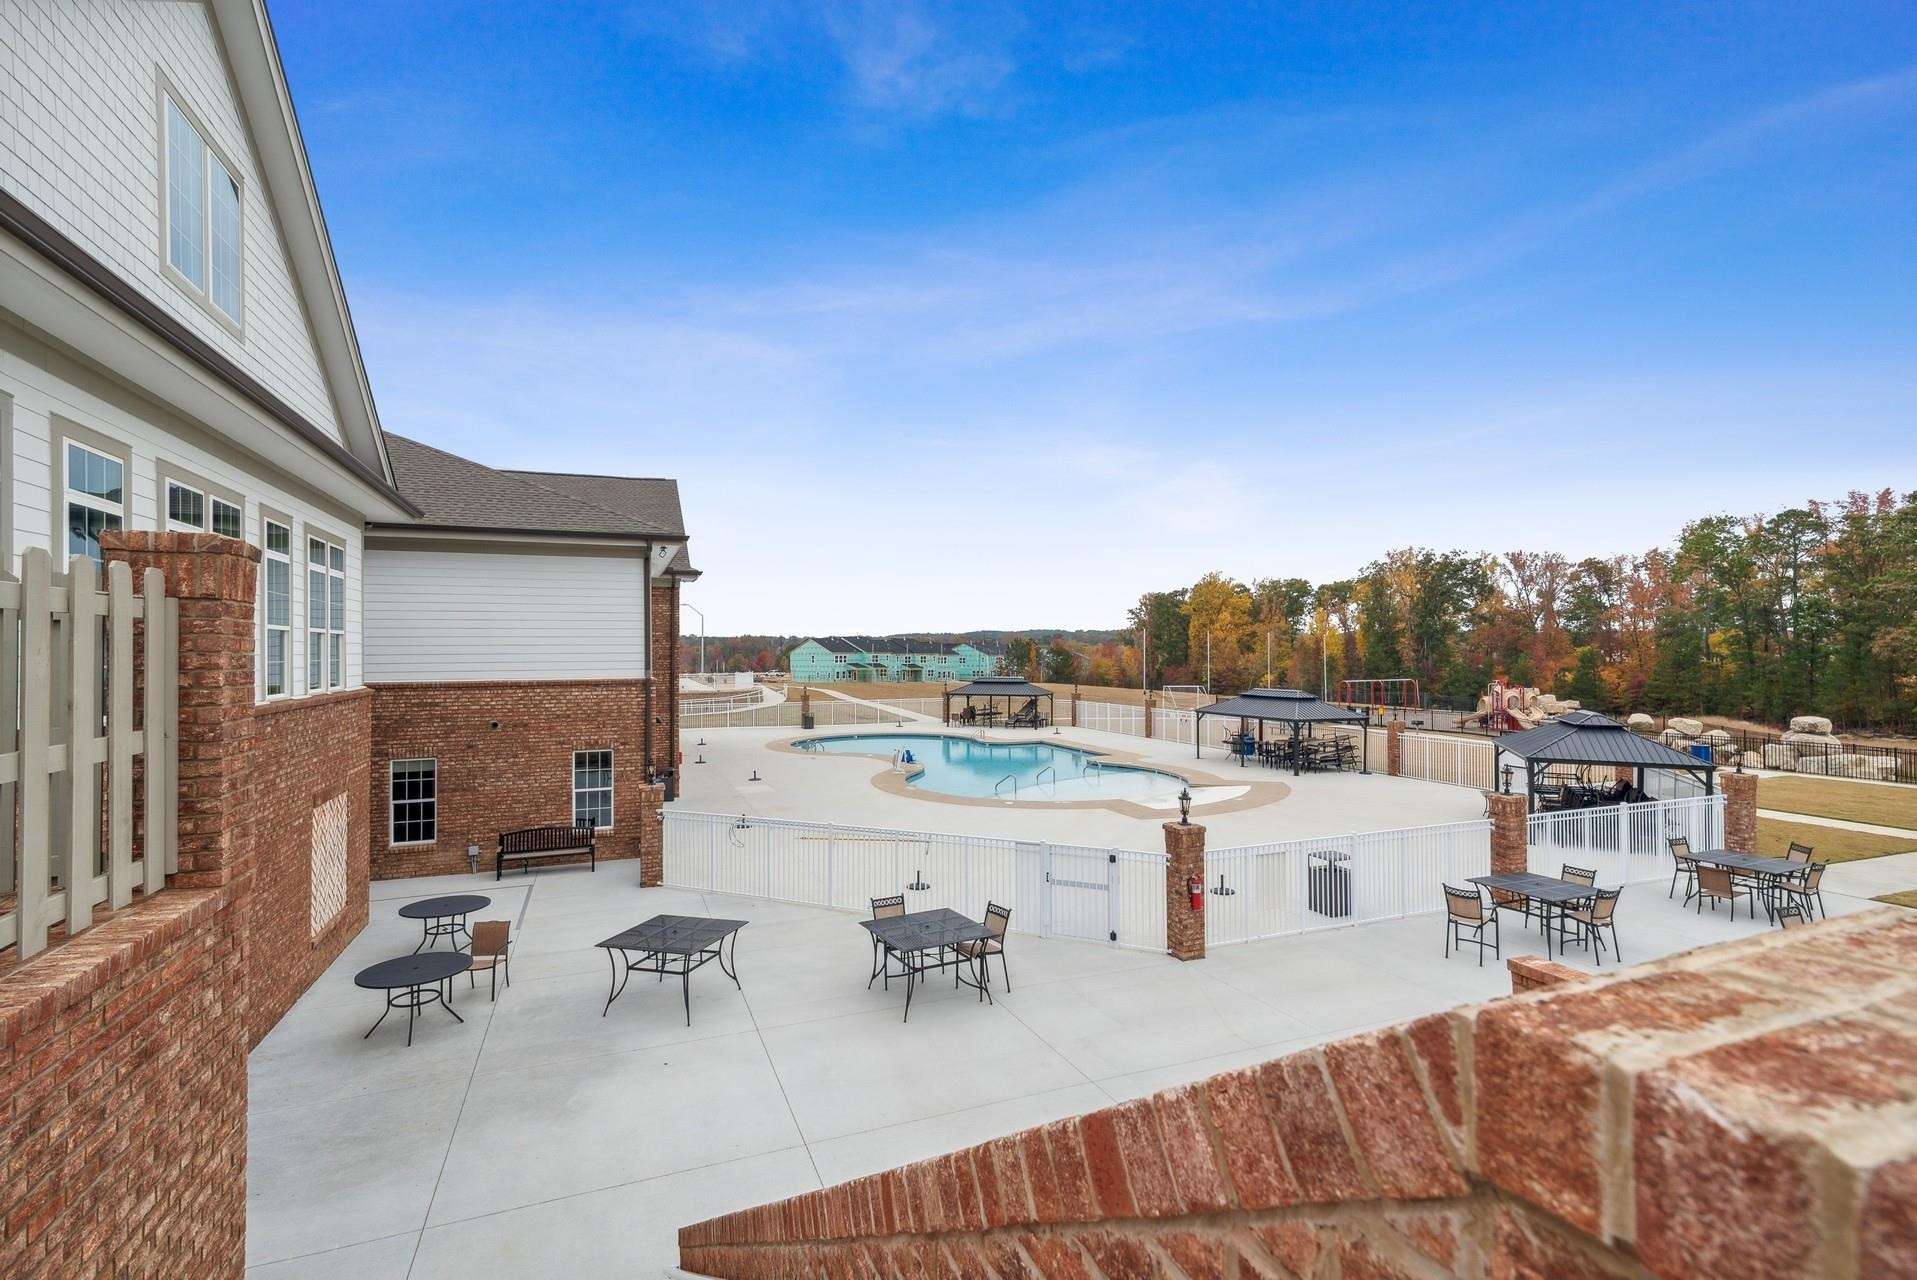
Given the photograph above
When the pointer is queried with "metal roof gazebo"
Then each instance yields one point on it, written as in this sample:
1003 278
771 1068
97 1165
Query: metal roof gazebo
1302 711
994 688
1587 738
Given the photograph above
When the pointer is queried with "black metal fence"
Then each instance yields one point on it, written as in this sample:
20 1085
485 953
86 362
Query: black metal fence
1850 760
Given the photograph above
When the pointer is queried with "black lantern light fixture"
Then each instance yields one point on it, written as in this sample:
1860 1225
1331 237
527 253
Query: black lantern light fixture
1184 806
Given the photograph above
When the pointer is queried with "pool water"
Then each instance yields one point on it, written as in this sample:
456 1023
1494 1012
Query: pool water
1042 772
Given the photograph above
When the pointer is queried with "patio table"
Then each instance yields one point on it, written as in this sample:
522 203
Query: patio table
1754 865
413 982
913 935
444 917
1550 893
672 945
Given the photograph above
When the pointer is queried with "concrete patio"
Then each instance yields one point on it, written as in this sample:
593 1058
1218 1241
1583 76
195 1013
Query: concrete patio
540 1139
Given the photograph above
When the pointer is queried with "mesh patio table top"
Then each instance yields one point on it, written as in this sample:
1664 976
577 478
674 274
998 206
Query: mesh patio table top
674 935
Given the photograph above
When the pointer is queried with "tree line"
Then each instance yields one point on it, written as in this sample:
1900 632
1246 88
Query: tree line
1811 609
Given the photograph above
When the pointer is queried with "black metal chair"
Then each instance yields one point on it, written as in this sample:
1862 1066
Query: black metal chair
997 919
1464 909
1596 915
883 909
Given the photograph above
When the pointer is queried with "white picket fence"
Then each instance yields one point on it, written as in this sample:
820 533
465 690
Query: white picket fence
1625 843
68 742
1296 886
1055 890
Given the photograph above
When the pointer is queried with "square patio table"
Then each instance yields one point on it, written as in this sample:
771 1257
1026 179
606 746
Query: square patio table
1550 893
673 945
917 935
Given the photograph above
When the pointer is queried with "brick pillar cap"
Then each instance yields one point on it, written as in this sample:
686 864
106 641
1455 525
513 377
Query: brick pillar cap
197 566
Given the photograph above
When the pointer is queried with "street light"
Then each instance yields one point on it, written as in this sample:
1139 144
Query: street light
702 634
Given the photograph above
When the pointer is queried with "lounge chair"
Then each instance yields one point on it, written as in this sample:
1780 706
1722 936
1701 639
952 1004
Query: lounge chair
1026 717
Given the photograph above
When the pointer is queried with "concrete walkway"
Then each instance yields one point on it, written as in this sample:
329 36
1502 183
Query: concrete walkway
1873 877
1842 824
541 1139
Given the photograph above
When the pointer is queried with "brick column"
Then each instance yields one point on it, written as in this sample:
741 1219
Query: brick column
1740 811
652 836
1510 846
1394 747
1534 973
1185 858
1148 715
1074 706
215 580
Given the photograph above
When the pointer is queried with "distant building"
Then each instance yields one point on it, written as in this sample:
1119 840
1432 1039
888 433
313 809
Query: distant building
888 658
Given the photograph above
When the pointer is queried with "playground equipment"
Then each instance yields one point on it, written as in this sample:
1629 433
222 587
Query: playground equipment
1385 697
1505 707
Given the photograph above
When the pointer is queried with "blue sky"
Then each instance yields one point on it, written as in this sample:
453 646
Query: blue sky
989 315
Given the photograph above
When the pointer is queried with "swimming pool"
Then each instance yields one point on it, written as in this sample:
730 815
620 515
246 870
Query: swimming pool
1038 771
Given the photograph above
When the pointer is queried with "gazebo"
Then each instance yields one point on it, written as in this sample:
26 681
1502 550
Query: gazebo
1587 738
1294 707
994 690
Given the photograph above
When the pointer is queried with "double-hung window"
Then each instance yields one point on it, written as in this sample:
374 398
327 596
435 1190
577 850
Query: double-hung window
191 508
277 570
95 498
415 791
592 789
325 615
202 202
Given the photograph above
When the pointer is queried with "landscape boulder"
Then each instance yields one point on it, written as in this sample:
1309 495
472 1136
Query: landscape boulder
1638 722
1716 737
1684 725
1810 724
1812 744
1779 756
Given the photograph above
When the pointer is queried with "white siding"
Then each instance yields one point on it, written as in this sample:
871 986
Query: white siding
47 388
487 615
80 145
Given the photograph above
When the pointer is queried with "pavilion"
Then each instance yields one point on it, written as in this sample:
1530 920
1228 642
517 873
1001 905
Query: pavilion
1587 738
1294 707
992 690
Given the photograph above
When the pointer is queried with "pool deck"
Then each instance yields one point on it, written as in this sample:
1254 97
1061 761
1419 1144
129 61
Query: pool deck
821 787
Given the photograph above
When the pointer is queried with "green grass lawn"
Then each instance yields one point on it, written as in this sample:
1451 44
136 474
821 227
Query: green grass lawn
1908 898
1833 798
1833 844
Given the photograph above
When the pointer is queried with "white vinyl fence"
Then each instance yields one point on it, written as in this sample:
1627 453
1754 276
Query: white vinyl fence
827 712
1056 890
1297 886
1624 843
68 743
1440 757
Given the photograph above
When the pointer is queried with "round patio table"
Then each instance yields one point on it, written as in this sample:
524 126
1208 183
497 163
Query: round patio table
444 917
412 982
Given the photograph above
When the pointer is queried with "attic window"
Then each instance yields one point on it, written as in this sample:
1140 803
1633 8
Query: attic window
202 216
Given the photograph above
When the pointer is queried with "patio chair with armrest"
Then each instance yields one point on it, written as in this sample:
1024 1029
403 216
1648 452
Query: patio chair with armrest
1686 866
491 952
1593 916
997 919
1799 852
883 909
1802 891
1791 916
1464 910
1718 885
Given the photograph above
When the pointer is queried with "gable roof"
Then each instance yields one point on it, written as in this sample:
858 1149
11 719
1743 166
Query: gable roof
456 493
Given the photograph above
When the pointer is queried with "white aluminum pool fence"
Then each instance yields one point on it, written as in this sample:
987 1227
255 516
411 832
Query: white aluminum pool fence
1055 890
1624 843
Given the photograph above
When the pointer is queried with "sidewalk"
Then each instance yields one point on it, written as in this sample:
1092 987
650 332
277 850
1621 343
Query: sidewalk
1785 815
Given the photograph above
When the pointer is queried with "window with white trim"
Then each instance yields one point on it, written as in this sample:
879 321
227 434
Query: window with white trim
325 615
415 801
188 508
203 235
592 789
276 569
95 498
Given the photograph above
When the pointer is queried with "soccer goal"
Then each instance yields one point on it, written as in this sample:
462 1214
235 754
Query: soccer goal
1185 697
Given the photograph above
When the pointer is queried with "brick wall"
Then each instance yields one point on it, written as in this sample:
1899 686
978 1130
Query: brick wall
1740 810
1184 858
1510 834
1394 747
505 761
1746 1110
123 1097
304 754
1534 973
662 742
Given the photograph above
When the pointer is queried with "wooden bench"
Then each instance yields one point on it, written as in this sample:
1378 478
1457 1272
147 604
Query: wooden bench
535 843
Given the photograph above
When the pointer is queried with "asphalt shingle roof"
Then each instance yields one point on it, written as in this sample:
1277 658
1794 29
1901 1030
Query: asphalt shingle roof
1293 706
1585 737
458 493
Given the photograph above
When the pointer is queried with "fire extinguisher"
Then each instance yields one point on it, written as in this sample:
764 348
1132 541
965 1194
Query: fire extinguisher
1196 887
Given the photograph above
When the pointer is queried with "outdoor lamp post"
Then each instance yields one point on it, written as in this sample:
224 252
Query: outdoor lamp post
1184 806
702 634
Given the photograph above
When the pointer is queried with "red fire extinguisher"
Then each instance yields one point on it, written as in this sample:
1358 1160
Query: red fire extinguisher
1196 887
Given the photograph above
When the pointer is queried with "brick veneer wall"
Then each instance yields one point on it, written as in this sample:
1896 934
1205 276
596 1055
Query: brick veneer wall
1510 834
304 753
1534 973
505 761
662 742
1745 1110
1184 858
1740 810
123 1097
1394 747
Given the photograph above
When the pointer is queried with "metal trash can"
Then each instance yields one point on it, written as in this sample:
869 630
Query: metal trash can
805 721
1328 879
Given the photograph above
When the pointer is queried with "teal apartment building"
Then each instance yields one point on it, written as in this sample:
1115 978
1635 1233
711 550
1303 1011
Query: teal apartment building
887 658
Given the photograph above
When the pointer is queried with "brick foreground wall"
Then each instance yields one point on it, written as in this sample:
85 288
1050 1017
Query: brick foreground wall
505 761
305 754
123 1097
1747 1110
